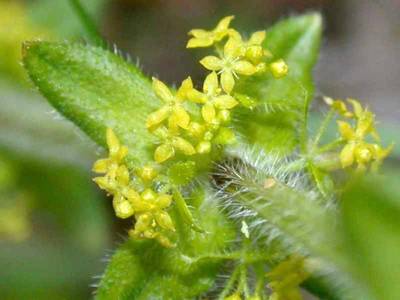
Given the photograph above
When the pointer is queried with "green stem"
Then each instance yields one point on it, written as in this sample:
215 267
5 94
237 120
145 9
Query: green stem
230 283
322 129
184 210
243 286
330 146
87 23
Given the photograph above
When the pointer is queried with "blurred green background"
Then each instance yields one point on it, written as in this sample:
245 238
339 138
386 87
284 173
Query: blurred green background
56 228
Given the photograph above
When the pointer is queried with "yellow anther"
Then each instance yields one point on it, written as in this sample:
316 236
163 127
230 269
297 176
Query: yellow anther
203 38
279 68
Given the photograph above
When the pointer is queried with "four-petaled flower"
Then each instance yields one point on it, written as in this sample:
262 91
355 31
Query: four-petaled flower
229 65
173 110
170 144
211 98
204 38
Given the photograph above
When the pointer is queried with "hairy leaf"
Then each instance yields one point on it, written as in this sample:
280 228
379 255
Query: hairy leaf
95 89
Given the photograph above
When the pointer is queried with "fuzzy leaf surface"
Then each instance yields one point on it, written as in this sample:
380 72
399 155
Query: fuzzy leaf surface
95 89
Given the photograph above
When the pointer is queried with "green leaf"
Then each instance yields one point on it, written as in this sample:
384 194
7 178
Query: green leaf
283 103
371 228
95 89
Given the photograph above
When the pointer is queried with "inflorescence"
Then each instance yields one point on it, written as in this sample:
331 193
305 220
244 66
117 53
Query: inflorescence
180 130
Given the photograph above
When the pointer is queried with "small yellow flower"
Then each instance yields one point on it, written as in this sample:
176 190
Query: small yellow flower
357 149
204 38
171 144
251 48
173 110
117 153
229 65
211 98
235 296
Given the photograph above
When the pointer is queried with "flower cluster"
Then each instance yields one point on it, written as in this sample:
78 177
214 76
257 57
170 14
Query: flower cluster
148 207
357 149
189 122
286 277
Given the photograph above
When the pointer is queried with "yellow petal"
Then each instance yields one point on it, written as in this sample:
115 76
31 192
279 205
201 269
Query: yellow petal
149 195
227 81
257 38
101 165
112 141
195 129
210 85
120 155
163 153
196 96
185 87
358 111
199 42
162 91
279 68
232 48
199 33
224 23
244 67
208 112
122 207
164 220
143 222
181 116
123 175
225 102
183 145
158 116
347 155
345 130
212 63
163 201
104 183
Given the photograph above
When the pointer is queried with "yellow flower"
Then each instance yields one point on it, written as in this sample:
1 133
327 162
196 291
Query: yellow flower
357 149
171 144
112 166
152 219
235 296
286 278
229 65
117 153
204 38
211 98
251 48
173 109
